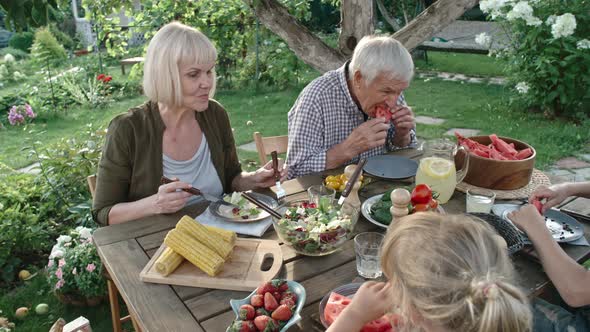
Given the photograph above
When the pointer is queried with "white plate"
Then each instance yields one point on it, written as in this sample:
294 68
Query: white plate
224 211
366 210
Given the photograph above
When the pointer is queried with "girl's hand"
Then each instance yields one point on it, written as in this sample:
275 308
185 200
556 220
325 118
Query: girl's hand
554 195
527 218
170 198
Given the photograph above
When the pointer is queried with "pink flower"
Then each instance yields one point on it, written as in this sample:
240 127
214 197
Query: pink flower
29 111
60 283
74 271
14 117
90 267
59 274
61 262
50 263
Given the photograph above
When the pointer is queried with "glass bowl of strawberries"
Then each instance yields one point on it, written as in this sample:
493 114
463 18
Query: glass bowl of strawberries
274 306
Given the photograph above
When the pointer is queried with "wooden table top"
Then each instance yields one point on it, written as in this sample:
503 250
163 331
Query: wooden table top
126 248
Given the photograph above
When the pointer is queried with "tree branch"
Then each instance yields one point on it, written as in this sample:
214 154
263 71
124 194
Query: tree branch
306 45
390 20
430 21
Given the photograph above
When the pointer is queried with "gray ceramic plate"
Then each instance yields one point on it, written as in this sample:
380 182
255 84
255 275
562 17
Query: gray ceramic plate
347 290
391 167
368 203
218 209
563 228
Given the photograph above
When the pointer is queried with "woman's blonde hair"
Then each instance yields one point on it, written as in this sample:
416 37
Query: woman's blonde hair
453 272
174 44
376 55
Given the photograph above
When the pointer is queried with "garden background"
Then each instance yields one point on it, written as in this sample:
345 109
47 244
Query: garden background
47 149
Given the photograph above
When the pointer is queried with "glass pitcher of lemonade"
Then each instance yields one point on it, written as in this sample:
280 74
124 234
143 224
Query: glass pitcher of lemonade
437 167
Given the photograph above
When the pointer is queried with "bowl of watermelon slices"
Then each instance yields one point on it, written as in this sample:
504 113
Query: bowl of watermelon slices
496 162
338 299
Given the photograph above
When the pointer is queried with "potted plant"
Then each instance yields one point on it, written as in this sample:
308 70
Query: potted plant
74 269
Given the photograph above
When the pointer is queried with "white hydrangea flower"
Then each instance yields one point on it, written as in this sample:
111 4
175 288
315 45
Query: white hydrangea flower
483 39
583 44
64 239
564 26
18 75
520 10
493 7
534 21
550 20
85 233
522 87
3 70
9 57
56 254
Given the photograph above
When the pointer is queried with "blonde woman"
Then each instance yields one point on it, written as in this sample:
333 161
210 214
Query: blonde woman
181 132
446 273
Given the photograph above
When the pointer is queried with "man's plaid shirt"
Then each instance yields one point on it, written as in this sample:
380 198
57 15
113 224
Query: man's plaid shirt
323 116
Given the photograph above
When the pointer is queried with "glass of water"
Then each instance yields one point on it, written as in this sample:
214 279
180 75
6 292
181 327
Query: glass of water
367 247
320 193
480 200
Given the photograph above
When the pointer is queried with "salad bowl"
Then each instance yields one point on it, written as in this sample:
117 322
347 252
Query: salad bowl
315 230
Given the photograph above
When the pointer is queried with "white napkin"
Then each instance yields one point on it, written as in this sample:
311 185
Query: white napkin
256 228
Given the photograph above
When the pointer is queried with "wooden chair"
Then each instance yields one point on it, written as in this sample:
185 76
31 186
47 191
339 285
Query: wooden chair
265 145
112 288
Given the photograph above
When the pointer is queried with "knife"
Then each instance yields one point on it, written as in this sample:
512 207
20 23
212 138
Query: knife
197 192
352 181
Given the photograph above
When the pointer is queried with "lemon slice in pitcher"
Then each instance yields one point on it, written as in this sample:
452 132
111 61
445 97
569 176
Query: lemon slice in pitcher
438 168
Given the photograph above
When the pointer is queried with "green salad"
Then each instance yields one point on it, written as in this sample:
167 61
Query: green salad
380 210
314 230
245 209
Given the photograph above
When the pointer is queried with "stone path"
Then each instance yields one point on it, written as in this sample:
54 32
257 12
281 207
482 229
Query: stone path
455 77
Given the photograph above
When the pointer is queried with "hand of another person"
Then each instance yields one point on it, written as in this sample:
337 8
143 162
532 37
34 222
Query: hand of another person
527 218
403 120
367 136
554 195
170 198
265 176
371 301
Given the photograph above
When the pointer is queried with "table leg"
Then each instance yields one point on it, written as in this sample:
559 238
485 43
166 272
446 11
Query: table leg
114 301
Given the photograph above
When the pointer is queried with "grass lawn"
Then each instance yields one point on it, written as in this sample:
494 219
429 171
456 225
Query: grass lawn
468 64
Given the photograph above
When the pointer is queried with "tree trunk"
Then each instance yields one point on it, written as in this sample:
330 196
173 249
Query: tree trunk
356 22
432 20
388 18
313 51
307 46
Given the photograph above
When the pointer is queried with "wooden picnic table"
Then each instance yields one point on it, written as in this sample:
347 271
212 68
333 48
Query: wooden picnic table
126 248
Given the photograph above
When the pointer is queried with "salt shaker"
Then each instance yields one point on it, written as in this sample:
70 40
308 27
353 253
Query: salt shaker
400 198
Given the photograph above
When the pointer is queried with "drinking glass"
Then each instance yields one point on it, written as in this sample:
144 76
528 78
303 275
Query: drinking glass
321 193
367 247
480 200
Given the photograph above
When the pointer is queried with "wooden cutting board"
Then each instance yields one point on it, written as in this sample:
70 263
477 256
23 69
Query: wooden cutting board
242 272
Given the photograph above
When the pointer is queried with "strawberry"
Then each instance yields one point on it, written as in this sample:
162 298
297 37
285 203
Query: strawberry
277 296
257 301
289 294
242 326
283 312
261 312
270 303
267 287
265 323
246 312
283 286
288 301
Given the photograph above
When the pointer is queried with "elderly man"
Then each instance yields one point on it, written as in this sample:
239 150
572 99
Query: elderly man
356 111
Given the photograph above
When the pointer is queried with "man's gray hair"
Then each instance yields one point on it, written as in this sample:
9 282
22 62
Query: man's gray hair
376 55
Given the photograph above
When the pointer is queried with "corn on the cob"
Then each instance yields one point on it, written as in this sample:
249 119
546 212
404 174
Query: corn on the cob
206 237
168 262
194 251
227 236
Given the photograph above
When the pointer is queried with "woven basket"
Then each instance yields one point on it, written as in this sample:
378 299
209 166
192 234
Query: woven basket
513 237
538 178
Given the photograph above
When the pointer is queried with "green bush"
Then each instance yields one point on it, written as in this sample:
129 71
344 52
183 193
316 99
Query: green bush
46 47
16 52
62 38
35 210
549 53
22 41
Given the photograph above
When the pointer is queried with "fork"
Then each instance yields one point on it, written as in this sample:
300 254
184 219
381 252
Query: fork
275 166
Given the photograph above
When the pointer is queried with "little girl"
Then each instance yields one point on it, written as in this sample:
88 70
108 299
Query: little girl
446 273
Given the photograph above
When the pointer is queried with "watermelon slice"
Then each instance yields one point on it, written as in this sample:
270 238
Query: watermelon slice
337 303
382 112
